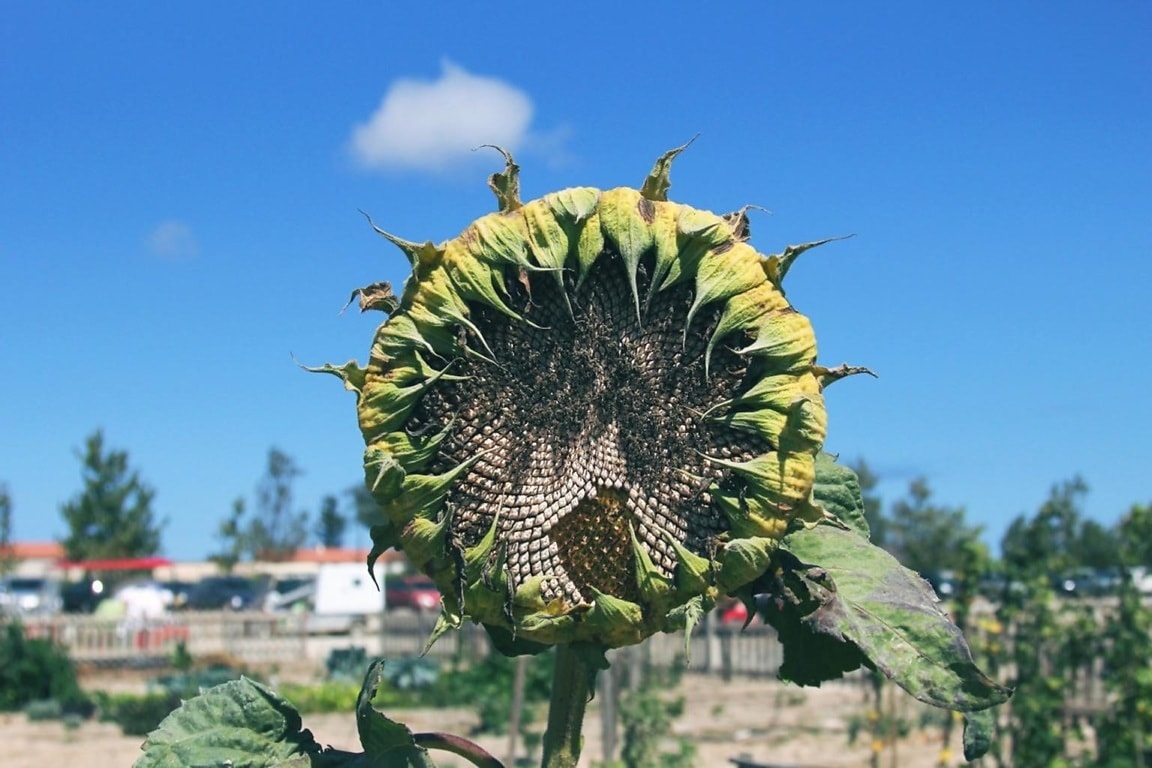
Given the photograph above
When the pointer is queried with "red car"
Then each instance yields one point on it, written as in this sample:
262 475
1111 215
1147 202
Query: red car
416 592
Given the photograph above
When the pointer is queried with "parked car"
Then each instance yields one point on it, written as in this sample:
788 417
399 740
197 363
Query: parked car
30 596
179 591
287 593
231 593
143 599
418 593
1088 582
946 584
82 596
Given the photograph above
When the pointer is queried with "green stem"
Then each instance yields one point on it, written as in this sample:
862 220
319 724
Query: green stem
572 680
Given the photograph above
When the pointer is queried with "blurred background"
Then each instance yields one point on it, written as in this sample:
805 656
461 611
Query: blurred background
180 226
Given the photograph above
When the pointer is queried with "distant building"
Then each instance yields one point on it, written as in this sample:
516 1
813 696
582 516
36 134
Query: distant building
304 562
33 558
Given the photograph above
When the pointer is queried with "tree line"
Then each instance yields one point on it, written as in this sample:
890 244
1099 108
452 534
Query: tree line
113 514
1082 672
1058 538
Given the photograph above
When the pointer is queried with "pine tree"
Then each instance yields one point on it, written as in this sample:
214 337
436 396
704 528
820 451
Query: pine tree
276 531
112 516
331 524
6 559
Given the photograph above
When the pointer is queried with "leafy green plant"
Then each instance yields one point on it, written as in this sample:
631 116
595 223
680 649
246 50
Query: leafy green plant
248 725
647 716
36 670
486 686
137 714
329 696
43 709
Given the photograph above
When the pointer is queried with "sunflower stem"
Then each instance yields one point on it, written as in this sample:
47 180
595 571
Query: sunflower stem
572 680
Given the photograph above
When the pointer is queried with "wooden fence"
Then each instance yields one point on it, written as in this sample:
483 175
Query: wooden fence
275 639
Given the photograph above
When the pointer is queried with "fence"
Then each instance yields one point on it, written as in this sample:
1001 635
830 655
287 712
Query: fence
282 639
260 639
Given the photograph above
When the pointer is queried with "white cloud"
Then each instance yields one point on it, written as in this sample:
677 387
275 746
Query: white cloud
434 125
172 240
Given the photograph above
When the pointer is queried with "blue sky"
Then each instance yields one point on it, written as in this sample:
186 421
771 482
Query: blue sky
178 219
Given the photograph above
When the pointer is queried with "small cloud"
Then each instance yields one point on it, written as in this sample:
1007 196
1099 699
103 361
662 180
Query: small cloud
172 240
433 125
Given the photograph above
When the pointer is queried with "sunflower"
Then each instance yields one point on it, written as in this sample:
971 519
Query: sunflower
590 415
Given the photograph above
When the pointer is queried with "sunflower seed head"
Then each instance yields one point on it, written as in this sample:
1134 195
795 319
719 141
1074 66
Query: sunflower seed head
592 413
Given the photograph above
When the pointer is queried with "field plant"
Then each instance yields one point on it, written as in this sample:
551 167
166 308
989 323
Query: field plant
588 418
647 712
35 670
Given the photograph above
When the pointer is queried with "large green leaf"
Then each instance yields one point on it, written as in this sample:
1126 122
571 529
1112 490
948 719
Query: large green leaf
892 616
385 741
837 490
240 723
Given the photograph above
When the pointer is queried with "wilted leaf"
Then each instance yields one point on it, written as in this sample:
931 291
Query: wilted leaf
978 733
240 723
795 594
893 617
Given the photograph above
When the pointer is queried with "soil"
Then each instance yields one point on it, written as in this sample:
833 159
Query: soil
763 721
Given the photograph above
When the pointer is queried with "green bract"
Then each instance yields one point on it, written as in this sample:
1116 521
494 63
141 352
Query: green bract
591 414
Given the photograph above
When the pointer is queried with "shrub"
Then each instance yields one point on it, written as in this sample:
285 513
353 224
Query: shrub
135 714
486 686
333 696
35 670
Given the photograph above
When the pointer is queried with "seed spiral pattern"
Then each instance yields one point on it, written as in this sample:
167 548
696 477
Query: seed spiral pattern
591 416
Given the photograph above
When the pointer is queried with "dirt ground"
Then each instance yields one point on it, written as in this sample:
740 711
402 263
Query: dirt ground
762 720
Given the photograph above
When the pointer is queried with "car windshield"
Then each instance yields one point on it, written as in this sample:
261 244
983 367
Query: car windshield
26 585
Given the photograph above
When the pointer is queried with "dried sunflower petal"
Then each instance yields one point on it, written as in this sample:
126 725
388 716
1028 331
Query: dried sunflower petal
591 414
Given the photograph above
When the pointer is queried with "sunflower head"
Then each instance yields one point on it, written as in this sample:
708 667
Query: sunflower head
590 415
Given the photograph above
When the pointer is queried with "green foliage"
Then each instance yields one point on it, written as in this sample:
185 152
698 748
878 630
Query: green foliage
331 524
35 669
137 715
43 709
487 687
240 723
929 537
112 516
245 725
329 696
865 608
181 658
1124 731
345 663
189 682
230 534
1057 538
1051 642
647 719
6 558
873 505
647 715
1135 535
365 509
276 529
